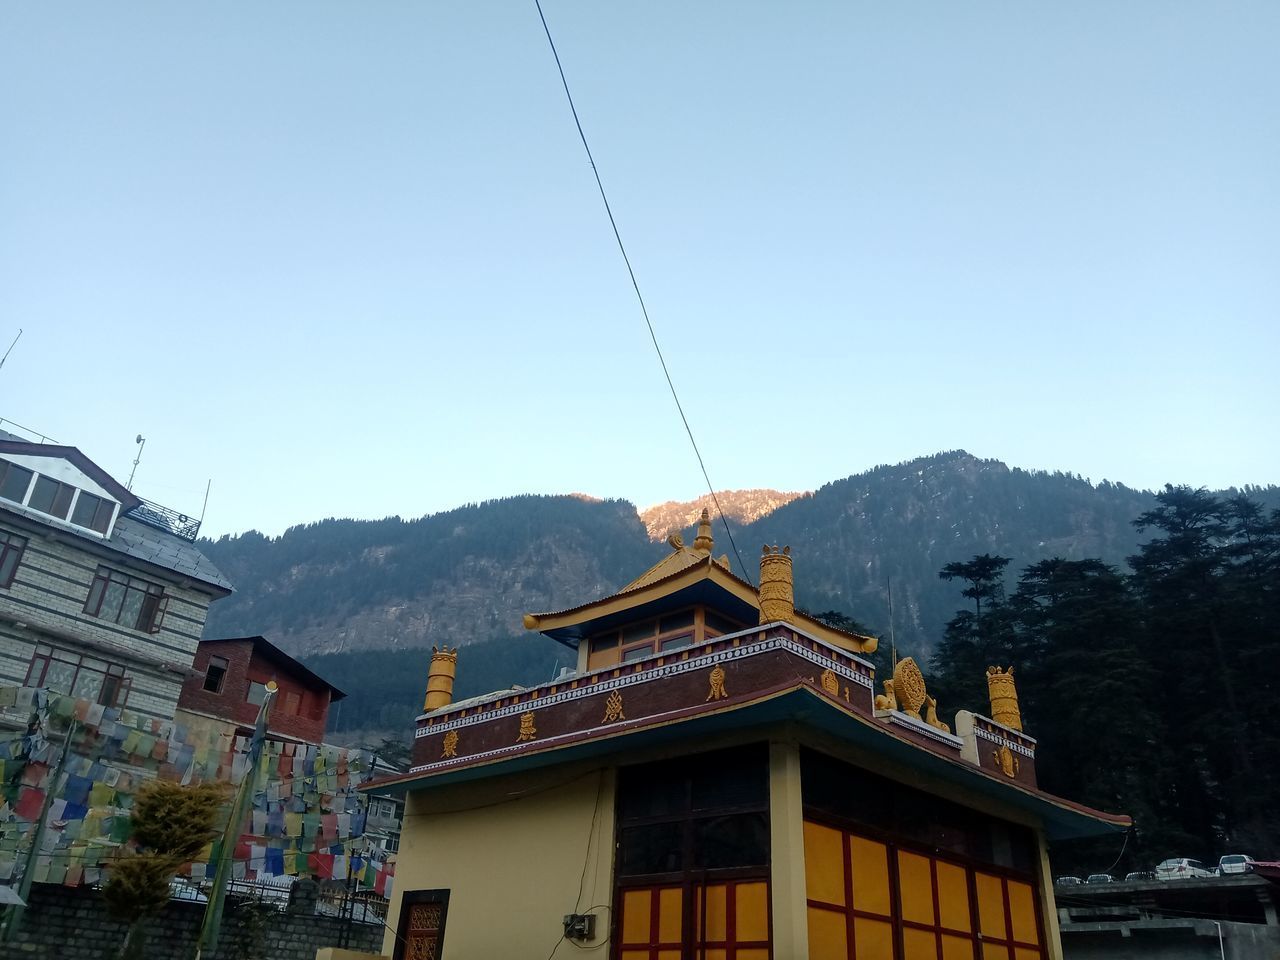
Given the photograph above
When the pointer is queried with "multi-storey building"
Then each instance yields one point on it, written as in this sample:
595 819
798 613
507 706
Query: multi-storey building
229 682
103 595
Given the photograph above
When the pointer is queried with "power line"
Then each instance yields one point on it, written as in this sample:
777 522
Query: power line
639 296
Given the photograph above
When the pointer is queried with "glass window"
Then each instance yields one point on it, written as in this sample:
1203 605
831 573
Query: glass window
14 481
257 693
676 642
11 547
639 631
84 678
51 497
129 601
92 512
677 621
215 674
636 653
721 624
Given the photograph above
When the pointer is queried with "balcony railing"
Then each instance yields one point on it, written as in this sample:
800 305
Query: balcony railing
162 518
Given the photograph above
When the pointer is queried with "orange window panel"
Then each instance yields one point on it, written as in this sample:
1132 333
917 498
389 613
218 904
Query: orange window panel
828 935
991 906
919 944
953 896
824 863
915 888
751 912
872 939
713 903
995 951
869 863
752 953
1024 953
956 948
1022 911
670 915
637 917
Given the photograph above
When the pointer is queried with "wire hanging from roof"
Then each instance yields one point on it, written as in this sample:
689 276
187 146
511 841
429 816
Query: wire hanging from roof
635 285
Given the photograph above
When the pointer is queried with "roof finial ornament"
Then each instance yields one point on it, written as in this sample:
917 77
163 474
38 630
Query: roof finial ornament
675 541
704 540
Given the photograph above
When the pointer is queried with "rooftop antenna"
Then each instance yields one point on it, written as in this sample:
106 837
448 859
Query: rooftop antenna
141 442
10 350
206 505
893 643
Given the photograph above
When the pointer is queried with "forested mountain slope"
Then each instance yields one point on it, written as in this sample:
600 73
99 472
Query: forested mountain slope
468 574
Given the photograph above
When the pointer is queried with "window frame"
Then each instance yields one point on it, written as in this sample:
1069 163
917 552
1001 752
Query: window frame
46 654
219 663
11 546
972 867
152 606
5 467
611 648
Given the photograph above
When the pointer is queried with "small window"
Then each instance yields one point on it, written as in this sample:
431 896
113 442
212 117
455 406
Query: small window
11 547
637 653
292 703
129 601
604 641
677 621
92 512
87 678
639 631
676 642
215 674
720 624
14 481
257 693
51 497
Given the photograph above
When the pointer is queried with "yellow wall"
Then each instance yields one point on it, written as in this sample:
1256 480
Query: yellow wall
512 865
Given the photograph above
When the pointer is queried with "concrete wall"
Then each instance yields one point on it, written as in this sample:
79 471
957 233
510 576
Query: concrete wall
512 852
48 595
1189 939
64 923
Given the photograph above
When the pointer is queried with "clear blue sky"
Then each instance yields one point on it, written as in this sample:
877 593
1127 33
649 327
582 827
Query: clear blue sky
348 259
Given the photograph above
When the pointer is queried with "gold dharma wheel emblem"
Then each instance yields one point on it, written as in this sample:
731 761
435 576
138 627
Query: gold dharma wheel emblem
908 687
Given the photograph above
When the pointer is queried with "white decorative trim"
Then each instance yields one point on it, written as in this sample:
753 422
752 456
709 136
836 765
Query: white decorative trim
587 689
993 737
919 726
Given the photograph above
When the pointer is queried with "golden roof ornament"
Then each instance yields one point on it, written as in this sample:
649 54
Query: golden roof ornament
777 588
906 692
1004 698
444 666
704 540
675 541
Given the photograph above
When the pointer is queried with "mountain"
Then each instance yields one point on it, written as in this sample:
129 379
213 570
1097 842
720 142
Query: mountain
741 507
467 575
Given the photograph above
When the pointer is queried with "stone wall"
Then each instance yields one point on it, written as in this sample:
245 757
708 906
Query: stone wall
64 923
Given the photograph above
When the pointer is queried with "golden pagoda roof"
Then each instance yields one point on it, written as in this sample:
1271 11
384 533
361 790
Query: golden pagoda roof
685 569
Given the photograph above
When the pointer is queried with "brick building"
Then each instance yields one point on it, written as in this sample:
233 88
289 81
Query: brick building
103 595
230 677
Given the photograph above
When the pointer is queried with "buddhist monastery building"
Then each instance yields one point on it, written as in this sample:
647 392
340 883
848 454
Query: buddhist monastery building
723 777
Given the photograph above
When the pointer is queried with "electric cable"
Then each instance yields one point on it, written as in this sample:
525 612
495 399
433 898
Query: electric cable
635 285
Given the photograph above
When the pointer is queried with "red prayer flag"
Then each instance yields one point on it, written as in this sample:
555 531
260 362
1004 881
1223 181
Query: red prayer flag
30 800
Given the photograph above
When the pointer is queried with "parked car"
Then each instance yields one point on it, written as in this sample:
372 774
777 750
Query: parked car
1138 876
1182 868
1068 882
1100 878
1235 863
